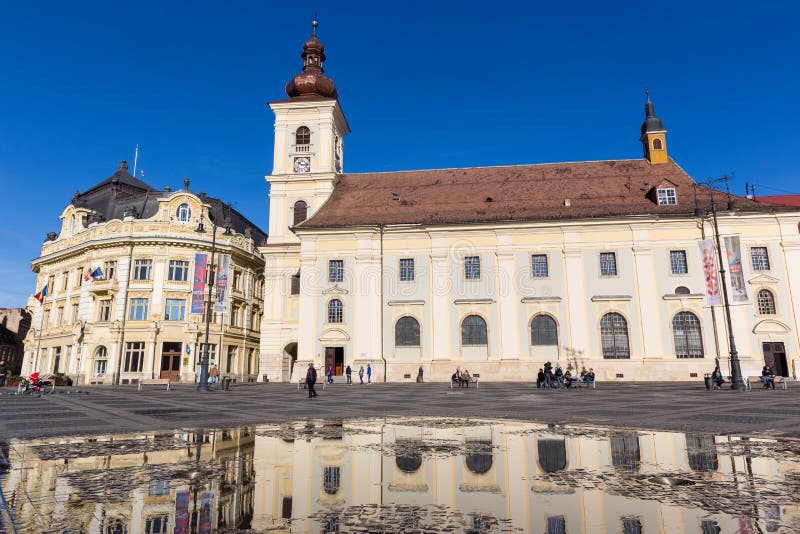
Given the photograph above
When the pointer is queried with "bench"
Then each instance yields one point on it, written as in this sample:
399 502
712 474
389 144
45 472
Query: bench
778 380
457 383
154 382
302 383
578 383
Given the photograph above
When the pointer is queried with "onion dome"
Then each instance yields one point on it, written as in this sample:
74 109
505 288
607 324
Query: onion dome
312 81
651 122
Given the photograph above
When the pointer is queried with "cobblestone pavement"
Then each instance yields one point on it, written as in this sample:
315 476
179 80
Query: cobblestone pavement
662 406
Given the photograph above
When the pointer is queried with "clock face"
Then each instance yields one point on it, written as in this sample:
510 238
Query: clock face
302 164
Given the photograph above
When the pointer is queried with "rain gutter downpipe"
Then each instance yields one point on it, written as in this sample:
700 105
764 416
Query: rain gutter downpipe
383 357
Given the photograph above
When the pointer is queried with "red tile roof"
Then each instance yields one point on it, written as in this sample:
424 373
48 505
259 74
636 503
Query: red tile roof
784 200
515 193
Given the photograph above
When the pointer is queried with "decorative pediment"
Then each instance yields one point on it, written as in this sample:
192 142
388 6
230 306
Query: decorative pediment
771 326
335 290
763 279
334 335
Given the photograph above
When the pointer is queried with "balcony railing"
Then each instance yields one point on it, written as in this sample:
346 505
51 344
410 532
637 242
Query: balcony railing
302 148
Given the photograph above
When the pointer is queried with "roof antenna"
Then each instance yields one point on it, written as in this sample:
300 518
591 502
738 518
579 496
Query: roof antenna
314 24
647 93
135 159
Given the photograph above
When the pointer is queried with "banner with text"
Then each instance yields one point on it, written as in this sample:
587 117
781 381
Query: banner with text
713 296
734 250
223 289
199 284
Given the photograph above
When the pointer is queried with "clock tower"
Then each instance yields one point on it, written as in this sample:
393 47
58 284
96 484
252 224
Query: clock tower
309 147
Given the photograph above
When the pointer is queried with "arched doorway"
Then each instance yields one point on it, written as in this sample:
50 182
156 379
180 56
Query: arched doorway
289 359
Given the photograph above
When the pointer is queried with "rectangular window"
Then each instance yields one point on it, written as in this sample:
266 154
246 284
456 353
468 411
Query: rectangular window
406 269
46 317
109 270
138 310
212 351
472 267
237 279
336 270
60 316
760 258
105 310
56 358
677 262
158 487
608 264
666 196
134 357
234 318
142 269
175 310
178 270
231 359
65 280
51 283
295 289
539 266
156 524
75 306
78 278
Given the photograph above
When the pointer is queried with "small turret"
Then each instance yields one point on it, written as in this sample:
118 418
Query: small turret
654 135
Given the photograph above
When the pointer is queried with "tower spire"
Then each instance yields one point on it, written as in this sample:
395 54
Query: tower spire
312 81
653 136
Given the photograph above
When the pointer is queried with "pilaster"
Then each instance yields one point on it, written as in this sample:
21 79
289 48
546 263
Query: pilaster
440 306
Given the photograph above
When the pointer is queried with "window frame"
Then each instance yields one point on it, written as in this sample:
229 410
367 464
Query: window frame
667 199
689 339
302 136
183 213
175 267
410 335
105 305
299 208
618 354
763 262
171 303
335 311
540 317
534 266
407 269
335 271
469 339
138 309
133 350
673 263
660 143
142 266
761 304
472 267
613 255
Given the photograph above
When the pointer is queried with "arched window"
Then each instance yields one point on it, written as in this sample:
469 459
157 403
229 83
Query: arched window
614 337
552 454
331 481
657 144
473 331
302 136
407 457
682 290
184 213
406 332
544 331
300 212
625 451
479 461
766 302
688 338
101 352
335 311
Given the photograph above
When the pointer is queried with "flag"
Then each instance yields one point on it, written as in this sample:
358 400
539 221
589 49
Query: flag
94 274
41 294
713 296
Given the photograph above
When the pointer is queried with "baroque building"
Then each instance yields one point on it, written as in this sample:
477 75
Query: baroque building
132 320
499 269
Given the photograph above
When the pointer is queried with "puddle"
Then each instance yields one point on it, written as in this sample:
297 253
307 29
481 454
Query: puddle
421 475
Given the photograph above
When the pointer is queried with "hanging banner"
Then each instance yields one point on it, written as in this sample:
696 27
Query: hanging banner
181 513
223 290
206 513
713 296
734 251
199 285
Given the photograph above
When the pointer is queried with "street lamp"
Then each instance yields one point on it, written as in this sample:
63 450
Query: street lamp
202 384
736 370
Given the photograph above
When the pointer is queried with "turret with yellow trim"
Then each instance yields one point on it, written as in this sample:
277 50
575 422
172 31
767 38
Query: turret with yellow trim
654 136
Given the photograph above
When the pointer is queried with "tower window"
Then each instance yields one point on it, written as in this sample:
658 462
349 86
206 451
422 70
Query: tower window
300 212
303 136
184 213
658 144
666 196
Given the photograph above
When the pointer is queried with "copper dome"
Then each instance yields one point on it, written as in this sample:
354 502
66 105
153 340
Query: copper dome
312 80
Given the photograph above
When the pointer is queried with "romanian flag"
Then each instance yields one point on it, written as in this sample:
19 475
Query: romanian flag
41 294
94 274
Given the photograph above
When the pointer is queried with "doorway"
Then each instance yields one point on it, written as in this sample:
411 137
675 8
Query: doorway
775 357
171 361
335 356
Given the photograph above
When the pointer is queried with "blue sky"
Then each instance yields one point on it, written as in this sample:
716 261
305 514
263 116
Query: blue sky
423 85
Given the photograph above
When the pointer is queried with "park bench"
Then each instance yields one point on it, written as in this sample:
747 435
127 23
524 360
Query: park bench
154 382
302 383
779 381
578 383
456 383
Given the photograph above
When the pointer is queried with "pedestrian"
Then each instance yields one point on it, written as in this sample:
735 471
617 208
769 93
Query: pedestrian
419 375
540 378
330 374
548 375
369 374
213 376
2 373
559 374
349 373
311 379
361 374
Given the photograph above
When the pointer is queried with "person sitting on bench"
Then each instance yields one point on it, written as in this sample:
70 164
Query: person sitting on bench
716 377
588 378
768 377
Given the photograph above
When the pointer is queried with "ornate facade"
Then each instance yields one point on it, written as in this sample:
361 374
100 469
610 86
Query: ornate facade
133 322
500 269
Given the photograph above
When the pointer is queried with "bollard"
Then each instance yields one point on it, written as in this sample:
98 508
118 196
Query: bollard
707 379
226 383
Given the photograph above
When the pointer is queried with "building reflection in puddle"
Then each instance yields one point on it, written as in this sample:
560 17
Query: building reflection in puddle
403 476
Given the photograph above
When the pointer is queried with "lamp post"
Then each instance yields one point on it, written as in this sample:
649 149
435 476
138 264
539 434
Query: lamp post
736 370
202 384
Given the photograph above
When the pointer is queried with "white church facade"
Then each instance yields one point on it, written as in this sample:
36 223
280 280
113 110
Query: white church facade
501 269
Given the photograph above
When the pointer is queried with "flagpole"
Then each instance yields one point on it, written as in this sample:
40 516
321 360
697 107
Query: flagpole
39 338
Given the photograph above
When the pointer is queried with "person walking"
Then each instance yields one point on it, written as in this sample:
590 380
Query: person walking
3 372
559 376
213 376
330 374
369 374
311 379
349 373
419 375
548 375
361 374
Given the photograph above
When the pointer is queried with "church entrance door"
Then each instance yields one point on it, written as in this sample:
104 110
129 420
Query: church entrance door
334 356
